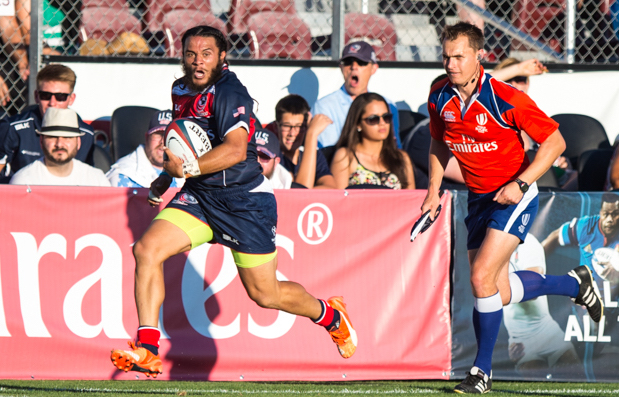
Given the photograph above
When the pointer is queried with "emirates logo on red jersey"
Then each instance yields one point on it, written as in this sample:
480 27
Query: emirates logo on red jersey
468 145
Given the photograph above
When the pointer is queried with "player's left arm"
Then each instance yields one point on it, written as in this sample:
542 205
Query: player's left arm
233 150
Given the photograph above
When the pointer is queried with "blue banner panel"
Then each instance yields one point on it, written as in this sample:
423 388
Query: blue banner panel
549 338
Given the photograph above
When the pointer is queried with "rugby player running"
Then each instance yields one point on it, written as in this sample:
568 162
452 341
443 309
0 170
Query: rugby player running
225 200
479 118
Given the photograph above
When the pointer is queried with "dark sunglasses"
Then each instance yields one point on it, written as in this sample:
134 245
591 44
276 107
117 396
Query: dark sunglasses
60 96
375 119
264 156
349 61
518 79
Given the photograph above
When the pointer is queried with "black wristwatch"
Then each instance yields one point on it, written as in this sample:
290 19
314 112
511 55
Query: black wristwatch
524 187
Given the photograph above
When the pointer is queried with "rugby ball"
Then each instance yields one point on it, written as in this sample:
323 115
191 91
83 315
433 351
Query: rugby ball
186 139
603 257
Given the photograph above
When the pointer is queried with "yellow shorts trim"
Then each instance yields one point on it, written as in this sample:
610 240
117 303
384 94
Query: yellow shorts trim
198 231
252 260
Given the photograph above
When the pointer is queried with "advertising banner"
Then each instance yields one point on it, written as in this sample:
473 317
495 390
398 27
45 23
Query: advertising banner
66 289
549 338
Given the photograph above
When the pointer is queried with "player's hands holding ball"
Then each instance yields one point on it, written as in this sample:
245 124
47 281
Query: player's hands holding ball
185 142
172 164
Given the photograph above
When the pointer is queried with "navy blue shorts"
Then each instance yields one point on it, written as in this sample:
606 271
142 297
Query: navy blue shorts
243 218
485 213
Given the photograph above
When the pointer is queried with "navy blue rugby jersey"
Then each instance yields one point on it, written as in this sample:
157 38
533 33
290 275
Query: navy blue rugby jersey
219 109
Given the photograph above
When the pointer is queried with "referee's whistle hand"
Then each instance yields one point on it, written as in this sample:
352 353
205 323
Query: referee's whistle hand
431 203
509 194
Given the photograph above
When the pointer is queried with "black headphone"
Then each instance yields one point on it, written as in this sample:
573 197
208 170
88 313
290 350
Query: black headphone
472 81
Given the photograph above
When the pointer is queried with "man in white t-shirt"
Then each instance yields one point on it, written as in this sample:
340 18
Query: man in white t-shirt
142 166
60 140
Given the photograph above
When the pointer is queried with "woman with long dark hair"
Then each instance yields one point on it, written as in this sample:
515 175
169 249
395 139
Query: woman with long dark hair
366 153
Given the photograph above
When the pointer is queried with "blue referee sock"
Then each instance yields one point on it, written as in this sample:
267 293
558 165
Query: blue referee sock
527 285
487 316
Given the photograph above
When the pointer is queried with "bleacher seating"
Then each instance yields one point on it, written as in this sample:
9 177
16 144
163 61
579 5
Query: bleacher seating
376 30
128 128
592 169
174 17
581 133
273 28
106 19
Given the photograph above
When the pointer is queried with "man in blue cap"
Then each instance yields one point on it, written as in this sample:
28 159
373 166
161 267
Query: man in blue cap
358 63
269 157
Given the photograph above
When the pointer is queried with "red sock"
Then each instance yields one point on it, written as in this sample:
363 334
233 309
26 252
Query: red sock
326 317
149 336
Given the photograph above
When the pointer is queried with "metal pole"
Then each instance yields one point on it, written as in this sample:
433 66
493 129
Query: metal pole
337 36
36 46
570 29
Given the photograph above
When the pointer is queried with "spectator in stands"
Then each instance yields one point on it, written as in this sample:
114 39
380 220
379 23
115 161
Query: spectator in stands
269 157
358 64
5 95
72 9
14 67
60 140
142 166
15 34
19 142
299 133
366 153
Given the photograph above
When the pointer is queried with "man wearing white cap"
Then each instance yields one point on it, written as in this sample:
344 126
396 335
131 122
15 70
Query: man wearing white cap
60 140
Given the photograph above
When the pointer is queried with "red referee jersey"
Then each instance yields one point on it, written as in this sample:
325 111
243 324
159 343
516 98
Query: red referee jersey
485 137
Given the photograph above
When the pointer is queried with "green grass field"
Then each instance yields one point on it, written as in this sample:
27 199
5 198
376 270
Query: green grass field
370 388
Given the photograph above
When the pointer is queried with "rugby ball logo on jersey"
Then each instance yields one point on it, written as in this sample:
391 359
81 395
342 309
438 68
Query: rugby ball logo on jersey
186 139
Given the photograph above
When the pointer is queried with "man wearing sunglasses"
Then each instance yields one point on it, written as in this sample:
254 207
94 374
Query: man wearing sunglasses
269 157
19 142
358 64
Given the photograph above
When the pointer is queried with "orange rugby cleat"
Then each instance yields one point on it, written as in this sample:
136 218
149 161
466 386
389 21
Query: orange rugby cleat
137 359
344 335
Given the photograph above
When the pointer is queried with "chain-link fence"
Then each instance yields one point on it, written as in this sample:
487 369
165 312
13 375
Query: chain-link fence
574 31
14 66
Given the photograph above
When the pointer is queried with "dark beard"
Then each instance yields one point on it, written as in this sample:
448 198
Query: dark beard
215 75
50 158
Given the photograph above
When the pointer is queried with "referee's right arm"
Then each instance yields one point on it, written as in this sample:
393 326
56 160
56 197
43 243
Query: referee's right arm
437 162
